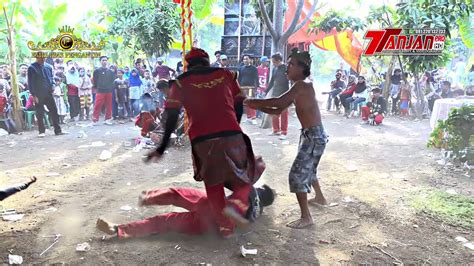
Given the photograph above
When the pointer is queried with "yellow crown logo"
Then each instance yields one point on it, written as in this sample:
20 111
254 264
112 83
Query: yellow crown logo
66 30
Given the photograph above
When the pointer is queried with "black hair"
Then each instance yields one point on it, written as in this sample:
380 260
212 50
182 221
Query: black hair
162 84
306 69
397 70
56 78
266 195
67 63
376 90
217 52
277 56
198 61
104 56
120 70
447 83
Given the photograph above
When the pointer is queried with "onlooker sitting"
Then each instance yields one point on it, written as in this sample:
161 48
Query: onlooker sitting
360 95
376 109
347 93
336 87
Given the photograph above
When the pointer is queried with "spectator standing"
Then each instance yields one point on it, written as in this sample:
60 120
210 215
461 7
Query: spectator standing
85 94
162 71
248 80
136 91
23 77
263 76
73 83
103 79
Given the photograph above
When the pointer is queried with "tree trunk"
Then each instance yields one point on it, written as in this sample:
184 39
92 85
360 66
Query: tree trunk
420 98
388 80
15 93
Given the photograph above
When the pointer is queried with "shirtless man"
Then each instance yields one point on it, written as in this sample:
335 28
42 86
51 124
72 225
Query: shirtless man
312 139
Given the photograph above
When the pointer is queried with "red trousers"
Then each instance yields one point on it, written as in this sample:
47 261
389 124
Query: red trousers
280 122
251 113
102 99
204 211
365 112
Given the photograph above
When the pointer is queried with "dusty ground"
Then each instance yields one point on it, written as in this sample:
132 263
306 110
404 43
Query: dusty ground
371 172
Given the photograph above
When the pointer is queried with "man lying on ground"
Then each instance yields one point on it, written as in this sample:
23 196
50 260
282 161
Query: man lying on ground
197 220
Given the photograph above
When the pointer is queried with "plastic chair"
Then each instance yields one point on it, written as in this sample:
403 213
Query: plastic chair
29 114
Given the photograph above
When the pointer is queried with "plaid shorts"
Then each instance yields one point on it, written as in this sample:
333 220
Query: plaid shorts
311 147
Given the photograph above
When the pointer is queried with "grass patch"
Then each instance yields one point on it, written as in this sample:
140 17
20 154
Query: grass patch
457 210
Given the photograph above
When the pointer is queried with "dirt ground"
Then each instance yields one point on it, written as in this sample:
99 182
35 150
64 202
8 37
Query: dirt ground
370 173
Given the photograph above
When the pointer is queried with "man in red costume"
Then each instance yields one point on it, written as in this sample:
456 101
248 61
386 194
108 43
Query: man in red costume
222 154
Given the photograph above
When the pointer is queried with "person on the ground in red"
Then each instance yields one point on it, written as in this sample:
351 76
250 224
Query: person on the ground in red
263 76
248 80
103 79
279 84
195 221
313 139
376 109
222 153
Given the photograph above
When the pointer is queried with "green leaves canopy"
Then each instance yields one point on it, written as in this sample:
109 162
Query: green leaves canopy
147 26
333 19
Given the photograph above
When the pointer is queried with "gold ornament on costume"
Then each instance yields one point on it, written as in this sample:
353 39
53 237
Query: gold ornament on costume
66 41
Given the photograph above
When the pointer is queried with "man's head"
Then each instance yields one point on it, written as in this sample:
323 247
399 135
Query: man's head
299 64
246 60
69 63
218 54
71 68
338 75
163 86
265 195
277 59
120 73
446 85
23 69
159 61
126 69
138 63
146 74
352 79
40 60
104 60
264 61
197 57
224 60
360 79
376 92
397 71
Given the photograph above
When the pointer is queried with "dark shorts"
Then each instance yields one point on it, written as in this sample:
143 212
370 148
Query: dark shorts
311 147
225 160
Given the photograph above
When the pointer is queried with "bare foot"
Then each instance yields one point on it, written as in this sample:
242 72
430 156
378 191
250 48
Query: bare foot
141 199
318 201
301 223
106 227
235 217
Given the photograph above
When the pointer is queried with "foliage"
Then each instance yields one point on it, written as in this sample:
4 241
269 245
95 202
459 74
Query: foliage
335 19
268 7
456 210
381 15
466 30
147 26
454 133
33 22
434 14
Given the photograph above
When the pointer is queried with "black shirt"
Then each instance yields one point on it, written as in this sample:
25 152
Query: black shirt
248 76
40 79
396 79
103 79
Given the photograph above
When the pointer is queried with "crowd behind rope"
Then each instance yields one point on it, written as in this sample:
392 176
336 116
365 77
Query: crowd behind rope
352 96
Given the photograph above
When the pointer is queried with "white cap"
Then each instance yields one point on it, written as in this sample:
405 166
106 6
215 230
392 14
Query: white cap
223 57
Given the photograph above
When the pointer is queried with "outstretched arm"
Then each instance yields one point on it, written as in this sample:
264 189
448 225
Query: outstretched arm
281 102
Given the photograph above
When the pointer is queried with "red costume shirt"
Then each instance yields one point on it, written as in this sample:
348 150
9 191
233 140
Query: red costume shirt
208 96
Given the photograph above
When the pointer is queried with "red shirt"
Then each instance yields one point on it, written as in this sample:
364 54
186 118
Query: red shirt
208 97
263 73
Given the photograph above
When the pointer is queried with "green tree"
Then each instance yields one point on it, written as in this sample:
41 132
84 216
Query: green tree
146 26
434 14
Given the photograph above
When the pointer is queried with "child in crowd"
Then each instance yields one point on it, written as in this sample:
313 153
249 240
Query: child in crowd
58 94
85 94
376 109
136 91
3 102
122 95
405 96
